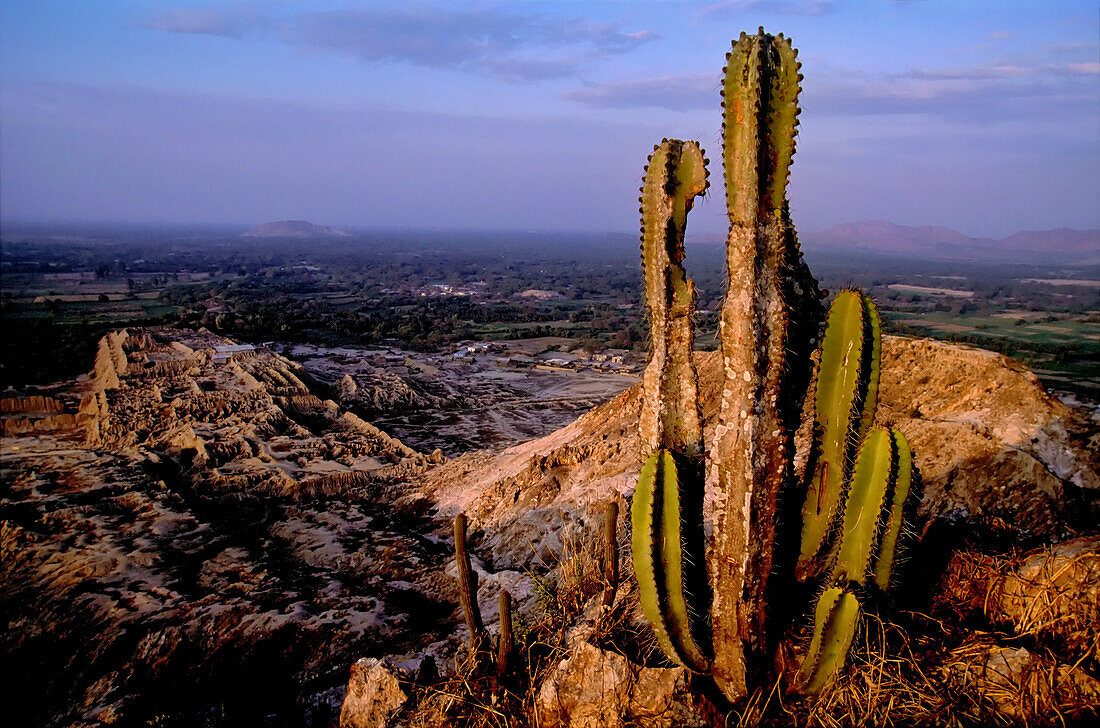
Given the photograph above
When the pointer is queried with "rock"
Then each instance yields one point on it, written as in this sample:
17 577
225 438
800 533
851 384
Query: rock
596 689
374 695
1028 688
1052 593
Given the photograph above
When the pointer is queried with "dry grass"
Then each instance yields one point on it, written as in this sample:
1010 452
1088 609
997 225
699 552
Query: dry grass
965 668
1051 595
569 598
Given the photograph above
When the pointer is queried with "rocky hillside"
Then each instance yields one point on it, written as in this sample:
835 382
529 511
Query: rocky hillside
1004 467
191 536
203 535
990 444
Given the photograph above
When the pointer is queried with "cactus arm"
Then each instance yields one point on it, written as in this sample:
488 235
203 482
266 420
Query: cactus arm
884 563
782 122
681 593
873 477
643 538
658 560
666 515
670 401
841 390
872 348
835 621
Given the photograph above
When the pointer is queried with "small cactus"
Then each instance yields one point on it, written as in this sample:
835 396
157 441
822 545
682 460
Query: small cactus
467 585
506 645
610 552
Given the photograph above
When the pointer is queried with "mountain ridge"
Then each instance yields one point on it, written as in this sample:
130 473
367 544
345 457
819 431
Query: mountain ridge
938 242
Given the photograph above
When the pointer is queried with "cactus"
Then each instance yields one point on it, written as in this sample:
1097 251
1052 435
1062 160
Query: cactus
467 587
851 506
506 645
767 329
610 552
480 642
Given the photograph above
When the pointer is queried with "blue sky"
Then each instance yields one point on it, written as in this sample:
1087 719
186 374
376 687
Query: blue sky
981 116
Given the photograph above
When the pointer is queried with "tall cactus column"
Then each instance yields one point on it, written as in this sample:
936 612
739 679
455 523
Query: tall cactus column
666 512
767 328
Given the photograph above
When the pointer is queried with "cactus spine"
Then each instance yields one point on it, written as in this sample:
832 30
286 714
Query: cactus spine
767 327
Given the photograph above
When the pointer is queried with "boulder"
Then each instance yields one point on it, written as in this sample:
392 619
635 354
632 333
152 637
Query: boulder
1024 686
592 688
374 695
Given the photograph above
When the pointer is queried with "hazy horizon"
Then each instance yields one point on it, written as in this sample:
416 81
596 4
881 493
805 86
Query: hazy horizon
535 116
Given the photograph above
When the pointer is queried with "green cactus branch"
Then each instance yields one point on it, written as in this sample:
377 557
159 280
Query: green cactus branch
666 514
844 407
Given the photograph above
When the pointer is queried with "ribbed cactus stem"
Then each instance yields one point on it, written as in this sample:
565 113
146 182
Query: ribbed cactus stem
769 291
836 619
610 552
901 504
874 475
674 176
662 562
467 586
844 406
505 646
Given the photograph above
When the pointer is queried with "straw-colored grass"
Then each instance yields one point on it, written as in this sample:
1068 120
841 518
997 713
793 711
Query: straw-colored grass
1010 641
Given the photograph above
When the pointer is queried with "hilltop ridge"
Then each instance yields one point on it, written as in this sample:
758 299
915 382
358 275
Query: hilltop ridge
294 229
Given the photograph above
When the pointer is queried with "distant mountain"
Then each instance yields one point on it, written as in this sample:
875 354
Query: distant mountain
293 229
940 243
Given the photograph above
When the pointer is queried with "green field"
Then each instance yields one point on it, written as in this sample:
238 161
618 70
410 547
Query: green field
1063 349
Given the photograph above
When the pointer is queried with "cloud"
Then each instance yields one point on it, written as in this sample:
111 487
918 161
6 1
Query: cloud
488 40
227 22
985 94
679 92
982 94
780 7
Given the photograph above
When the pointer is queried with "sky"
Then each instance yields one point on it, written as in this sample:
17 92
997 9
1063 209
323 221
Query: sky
980 116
